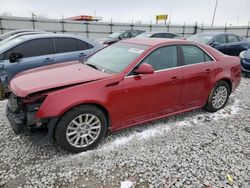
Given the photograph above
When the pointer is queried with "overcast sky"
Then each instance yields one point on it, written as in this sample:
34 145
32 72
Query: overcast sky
188 11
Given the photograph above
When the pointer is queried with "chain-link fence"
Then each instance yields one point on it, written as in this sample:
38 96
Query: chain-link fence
101 29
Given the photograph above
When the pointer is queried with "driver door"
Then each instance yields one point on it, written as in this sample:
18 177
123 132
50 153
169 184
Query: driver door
150 95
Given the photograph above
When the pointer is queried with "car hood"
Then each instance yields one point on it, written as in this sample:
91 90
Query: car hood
52 77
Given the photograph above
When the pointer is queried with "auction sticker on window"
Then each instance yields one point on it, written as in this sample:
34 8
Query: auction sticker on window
135 50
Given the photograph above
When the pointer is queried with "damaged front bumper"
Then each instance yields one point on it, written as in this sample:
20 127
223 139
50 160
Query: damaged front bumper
23 121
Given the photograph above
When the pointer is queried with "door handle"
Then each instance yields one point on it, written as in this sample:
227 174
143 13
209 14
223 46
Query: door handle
47 59
208 70
82 55
174 78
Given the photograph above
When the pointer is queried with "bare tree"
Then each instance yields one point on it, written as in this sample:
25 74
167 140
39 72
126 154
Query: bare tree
5 14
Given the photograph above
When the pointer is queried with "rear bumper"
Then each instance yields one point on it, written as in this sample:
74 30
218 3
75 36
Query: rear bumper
20 123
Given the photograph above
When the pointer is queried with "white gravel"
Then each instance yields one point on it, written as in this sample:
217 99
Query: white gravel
194 149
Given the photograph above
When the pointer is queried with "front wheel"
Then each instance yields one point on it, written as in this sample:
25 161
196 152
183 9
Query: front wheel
218 97
81 128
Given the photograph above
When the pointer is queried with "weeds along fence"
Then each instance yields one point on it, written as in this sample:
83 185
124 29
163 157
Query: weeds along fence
96 30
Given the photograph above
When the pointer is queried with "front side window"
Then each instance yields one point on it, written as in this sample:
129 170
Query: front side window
220 39
117 57
63 45
37 47
193 55
232 38
162 58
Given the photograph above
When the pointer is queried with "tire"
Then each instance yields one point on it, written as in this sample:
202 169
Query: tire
216 103
2 92
81 128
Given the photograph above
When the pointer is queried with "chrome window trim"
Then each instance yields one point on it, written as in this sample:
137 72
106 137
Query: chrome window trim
126 76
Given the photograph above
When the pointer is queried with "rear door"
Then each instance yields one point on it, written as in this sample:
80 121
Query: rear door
36 53
198 71
70 49
154 94
233 45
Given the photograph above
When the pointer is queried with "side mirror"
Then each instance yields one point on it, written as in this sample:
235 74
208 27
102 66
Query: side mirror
145 68
14 57
214 44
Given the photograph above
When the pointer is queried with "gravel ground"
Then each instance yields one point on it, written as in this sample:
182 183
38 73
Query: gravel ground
194 149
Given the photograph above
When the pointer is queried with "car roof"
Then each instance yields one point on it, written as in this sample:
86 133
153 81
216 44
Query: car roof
155 41
46 35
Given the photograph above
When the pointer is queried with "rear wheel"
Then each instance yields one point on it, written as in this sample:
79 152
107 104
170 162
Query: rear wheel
81 128
218 97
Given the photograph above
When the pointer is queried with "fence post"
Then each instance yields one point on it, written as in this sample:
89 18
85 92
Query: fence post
202 27
132 25
1 25
183 31
150 27
168 26
248 27
111 26
63 28
225 30
195 28
87 28
33 20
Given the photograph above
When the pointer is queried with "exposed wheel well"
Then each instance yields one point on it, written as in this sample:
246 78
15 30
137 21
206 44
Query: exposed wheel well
229 84
103 109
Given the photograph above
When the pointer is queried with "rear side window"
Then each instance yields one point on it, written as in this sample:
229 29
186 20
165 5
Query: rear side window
81 45
37 47
162 58
63 45
193 54
169 35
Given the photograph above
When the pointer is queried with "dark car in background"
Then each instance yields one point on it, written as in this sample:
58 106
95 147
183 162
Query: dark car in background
31 51
156 34
227 43
18 31
119 35
245 62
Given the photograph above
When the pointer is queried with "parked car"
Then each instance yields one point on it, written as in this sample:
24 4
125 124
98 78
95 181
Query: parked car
18 31
227 43
30 51
127 83
245 62
156 34
119 35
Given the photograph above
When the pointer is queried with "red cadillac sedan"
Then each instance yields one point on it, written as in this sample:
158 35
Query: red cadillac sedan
128 83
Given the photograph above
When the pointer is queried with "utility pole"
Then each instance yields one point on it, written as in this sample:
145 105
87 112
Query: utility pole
215 8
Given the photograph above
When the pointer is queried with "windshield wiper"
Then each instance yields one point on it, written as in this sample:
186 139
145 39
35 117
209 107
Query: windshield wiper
93 66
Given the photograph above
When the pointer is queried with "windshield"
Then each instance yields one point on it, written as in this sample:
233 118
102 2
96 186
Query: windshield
144 35
5 45
115 35
116 57
202 38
